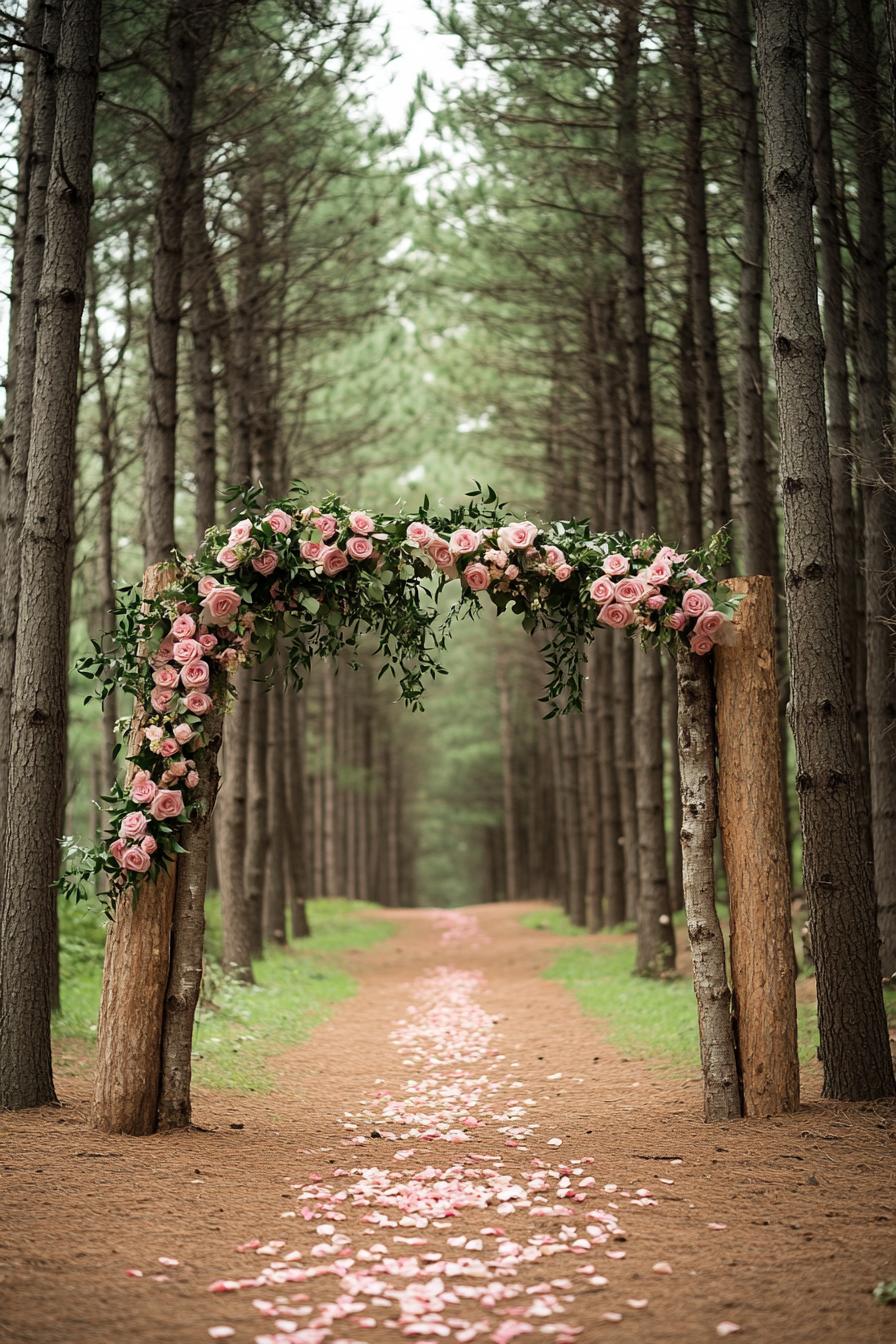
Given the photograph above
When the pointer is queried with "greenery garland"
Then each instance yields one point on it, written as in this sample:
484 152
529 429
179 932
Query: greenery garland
323 576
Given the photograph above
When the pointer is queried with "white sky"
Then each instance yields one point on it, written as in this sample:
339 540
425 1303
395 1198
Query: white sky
413 33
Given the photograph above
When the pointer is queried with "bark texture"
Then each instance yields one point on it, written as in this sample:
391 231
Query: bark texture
39 706
696 750
135 978
188 930
837 863
754 845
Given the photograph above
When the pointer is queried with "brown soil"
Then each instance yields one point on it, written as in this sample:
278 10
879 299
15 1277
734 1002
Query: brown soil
808 1200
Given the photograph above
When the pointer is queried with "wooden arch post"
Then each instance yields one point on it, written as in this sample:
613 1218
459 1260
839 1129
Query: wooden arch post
152 969
754 848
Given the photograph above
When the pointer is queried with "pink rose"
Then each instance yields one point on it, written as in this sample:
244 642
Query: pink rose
334 561
195 675
207 642
183 627
630 590
676 621
421 534
161 699
265 563
168 748
512 572
326 525
197 703
228 658
616 565
476 577
187 650
709 624
554 556
359 548
148 844
602 590
167 803
154 733
176 769
441 553
227 557
240 532
659 572
182 733
207 584
192 779
278 521
143 790
496 558
312 550
116 849
463 541
164 651
695 577
166 676
221 605
518 535
617 615
133 826
135 860
362 523
695 602
700 644
657 602
563 572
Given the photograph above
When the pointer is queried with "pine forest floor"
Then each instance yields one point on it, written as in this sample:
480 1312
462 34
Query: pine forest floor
457 1151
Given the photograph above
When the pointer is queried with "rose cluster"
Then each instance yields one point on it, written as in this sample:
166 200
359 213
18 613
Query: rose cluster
666 591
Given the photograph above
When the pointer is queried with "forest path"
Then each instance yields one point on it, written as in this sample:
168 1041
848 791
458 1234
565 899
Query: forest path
485 1231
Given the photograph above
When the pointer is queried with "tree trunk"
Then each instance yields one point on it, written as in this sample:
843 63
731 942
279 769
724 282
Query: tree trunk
198 263
875 453
235 913
757 521
257 812
135 977
105 543
709 374
656 937
20 399
281 843
182 28
696 749
754 844
188 931
39 708
507 798
830 274
836 862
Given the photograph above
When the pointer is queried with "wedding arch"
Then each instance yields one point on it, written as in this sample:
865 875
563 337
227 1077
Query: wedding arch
318 578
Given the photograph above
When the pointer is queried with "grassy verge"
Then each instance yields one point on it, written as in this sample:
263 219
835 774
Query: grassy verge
238 1027
646 1019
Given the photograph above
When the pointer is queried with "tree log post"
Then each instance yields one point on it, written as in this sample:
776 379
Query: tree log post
754 846
188 928
135 976
696 750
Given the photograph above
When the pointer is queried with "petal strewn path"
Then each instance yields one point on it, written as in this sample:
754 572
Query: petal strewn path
455 1156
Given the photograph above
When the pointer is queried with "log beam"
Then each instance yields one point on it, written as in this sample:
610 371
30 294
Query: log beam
135 974
696 750
754 846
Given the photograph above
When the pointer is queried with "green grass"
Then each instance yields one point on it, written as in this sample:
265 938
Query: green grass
238 1027
555 920
645 1019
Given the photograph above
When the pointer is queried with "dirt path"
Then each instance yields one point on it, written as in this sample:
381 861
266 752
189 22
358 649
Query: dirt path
454 1155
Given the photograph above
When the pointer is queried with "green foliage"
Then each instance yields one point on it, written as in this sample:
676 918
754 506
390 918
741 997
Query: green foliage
885 1292
238 1027
649 1019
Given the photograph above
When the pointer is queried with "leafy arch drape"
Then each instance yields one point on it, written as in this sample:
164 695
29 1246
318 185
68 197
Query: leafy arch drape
323 576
